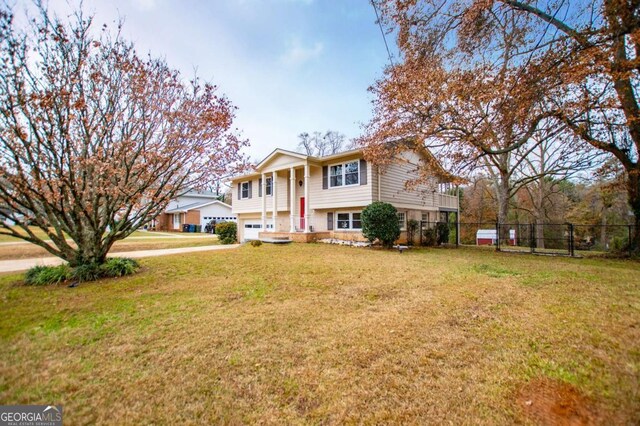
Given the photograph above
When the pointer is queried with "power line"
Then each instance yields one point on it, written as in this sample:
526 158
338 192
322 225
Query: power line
384 37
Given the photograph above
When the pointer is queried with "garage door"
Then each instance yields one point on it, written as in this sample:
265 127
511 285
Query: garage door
251 230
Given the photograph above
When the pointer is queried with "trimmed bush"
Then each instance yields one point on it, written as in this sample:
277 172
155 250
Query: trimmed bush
45 275
380 222
256 243
227 232
119 267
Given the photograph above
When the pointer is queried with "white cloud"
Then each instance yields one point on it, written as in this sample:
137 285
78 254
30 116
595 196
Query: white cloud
297 53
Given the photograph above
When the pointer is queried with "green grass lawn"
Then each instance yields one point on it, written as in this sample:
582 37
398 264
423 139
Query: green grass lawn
327 334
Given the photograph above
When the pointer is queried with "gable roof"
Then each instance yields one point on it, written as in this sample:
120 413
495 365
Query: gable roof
195 206
279 151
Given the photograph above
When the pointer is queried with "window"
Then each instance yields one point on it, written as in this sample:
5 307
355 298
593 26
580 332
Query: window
351 173
268 186
425 216
244 190
335 176
343 221
356 223
344 174
348 221
401 219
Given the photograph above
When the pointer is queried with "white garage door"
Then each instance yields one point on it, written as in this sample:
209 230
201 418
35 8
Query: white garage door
251 230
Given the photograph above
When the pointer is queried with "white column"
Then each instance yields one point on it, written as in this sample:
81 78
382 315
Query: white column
306 197
274 195
264 202
292 207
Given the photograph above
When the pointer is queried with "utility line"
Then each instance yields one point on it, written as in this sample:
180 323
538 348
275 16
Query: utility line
384 37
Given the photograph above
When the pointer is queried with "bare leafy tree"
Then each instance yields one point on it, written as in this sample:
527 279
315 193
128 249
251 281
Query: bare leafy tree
94 140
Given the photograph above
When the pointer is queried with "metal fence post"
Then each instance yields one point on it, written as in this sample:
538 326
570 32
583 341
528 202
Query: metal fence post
532 236
629 240
421 226
497 236
571 247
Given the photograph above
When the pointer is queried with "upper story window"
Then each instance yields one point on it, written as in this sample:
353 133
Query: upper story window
268 186
244 190
344 174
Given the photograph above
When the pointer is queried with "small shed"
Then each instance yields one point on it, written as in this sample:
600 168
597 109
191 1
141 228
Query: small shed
488 237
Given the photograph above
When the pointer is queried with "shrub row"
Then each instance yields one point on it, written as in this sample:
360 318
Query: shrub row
113 267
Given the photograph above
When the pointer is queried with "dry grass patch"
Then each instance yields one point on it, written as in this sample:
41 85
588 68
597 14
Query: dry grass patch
326 334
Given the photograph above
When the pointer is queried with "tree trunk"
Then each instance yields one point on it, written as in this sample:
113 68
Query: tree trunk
539 232
633 190
603 229
539 212
91 249
502 195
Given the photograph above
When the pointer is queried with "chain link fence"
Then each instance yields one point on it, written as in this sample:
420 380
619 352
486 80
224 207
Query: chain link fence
541 238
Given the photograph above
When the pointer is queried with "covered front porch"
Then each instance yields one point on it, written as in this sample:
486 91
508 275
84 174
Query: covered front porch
287 212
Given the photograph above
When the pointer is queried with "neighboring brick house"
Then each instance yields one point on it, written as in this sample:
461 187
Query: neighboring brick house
306 198
196 208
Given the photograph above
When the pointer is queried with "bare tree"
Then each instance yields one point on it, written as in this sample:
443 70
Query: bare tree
319 144
94 140
305 144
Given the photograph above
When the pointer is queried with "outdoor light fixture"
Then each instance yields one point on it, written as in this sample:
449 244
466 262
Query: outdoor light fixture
300 182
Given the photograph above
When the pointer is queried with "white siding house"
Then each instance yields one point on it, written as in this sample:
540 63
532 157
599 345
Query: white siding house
305 198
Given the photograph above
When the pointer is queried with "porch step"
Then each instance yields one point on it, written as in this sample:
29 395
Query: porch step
276 240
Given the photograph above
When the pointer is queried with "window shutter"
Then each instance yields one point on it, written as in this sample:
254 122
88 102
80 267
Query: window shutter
250 188
363 172
260 187
330 221
239 191
325 177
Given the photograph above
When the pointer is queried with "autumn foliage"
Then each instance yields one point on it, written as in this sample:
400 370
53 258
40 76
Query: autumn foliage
483 83
94 139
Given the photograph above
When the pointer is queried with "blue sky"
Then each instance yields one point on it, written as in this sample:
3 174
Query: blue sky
289 65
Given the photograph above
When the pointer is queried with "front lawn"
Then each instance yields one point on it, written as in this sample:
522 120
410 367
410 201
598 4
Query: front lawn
317 333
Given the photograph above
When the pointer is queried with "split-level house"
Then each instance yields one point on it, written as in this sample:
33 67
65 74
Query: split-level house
305 198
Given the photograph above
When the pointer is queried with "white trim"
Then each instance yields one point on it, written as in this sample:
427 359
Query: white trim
204 204
350 228
404 220
281 152
268 179
344 179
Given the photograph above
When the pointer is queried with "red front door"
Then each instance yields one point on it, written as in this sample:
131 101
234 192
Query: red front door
302 213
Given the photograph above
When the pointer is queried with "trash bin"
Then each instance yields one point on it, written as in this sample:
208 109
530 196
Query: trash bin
198 228
185 227
192 228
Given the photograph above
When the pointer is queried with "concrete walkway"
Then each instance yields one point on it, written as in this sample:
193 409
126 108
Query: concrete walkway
128 239
24 264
